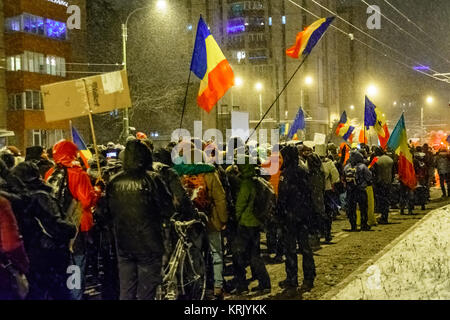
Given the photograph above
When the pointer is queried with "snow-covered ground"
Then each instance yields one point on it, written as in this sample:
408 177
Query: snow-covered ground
416 266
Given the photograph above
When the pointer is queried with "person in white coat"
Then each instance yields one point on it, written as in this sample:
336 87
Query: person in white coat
331 178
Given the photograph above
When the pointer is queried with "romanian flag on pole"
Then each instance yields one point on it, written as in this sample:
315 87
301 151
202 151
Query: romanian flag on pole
344 130
211 67
308 38
399 142
85 154
373 117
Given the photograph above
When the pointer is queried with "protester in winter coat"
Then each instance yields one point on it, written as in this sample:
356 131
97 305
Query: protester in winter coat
46 237
357 177
248 237
273 232
443 168
383 171
81 190
11 250
38 155
321 225
139 204
332 177
294 213
205 189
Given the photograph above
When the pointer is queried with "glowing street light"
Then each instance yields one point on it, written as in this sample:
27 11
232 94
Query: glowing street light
430 101
238 82
352 107
372 90
161 5
258 86
309 81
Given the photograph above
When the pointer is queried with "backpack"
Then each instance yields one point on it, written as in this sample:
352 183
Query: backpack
195 186
265 200
70 207
351 176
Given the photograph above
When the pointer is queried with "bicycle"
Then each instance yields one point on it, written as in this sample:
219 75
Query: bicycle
184 277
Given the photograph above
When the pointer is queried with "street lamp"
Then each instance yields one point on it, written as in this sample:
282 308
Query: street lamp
430 101
352 107
161 6
259 87
308 82
372 90
238 82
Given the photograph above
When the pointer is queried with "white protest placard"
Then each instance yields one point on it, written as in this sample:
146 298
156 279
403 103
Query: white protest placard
240 125
320 138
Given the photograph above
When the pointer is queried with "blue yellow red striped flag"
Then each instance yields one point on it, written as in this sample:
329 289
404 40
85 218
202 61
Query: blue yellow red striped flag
308 38
211 67
399 142
373 117
85 154
344 129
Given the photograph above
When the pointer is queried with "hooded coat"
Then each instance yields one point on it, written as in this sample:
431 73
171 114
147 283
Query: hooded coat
363 174
246 197
139 204
294 193
44 227
317 183
65 155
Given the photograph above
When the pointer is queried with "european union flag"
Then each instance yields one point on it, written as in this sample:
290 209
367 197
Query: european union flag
370 116
299 124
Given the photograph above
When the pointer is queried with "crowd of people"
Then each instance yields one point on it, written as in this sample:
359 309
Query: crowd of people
57 211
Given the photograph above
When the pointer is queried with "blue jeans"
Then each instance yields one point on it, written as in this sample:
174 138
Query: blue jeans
215 245
80 261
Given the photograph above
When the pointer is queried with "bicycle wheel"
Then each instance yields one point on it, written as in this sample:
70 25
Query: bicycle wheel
193 275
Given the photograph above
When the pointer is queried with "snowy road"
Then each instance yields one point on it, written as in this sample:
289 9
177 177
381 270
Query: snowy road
415 266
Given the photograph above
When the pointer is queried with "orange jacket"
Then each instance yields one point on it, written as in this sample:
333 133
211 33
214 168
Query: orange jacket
65 153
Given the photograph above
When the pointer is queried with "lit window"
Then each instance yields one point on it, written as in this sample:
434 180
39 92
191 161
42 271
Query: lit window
41 63
10 63
36 100
28 100
12 24
40 26
63 67
19 101
55 29
18 63
270 21
283 19
26 18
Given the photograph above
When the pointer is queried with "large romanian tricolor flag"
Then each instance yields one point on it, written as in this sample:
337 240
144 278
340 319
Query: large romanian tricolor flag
85 154
399 142
374 117
308 38
344 129
210 65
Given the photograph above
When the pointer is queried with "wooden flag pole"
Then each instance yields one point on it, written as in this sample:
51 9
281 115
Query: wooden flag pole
93 135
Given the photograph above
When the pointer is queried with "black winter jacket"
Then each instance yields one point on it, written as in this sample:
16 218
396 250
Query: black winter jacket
139 204
294 193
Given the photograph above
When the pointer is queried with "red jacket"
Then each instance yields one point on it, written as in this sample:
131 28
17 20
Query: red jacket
10 243
65 153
